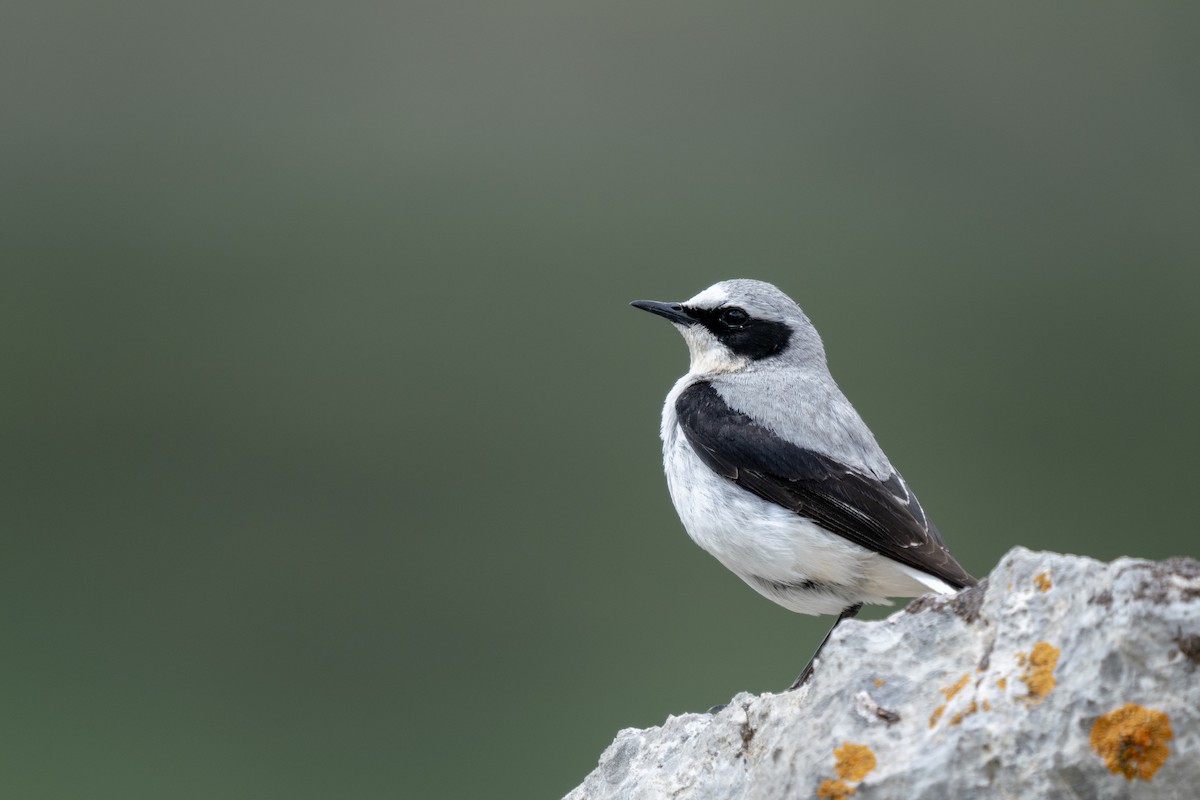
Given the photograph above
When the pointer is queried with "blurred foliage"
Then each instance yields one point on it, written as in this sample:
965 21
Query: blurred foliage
330 445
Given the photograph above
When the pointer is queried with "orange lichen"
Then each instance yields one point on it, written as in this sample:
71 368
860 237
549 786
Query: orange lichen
966 712
1001 682
853 761
879 681
1042 580
986 706
1132 740
834 790
1039 671
955 687
949 692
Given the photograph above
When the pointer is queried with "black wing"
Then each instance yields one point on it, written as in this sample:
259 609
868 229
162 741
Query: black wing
883 517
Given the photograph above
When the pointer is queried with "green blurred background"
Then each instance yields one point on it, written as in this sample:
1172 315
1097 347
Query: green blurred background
330 442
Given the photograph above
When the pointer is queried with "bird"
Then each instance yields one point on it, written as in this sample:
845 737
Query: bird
773 472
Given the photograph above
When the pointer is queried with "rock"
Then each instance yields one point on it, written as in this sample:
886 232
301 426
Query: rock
1059 677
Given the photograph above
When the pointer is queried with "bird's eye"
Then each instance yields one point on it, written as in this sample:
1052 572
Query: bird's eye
734 317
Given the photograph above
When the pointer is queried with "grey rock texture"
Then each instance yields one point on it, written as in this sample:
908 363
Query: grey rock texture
1060 677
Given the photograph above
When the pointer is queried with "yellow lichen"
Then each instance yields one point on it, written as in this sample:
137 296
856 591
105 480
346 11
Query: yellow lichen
954 688
966 712
1039 670
1132 740
834 790
853 761
879 681
949 692
1042 580
986 706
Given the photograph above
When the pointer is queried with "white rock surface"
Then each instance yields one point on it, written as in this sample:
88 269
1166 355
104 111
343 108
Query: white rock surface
1021 723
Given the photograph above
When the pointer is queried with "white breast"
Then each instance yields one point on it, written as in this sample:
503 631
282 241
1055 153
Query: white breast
759 540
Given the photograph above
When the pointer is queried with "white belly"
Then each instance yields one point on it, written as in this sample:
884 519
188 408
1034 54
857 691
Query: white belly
764 543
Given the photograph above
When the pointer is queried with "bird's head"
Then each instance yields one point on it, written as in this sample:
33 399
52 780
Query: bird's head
733 325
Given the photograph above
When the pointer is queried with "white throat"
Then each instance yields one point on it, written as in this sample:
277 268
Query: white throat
709 355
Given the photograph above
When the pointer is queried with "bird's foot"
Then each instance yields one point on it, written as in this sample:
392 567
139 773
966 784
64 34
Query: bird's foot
802 678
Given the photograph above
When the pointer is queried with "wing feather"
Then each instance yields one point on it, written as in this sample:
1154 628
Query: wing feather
882 516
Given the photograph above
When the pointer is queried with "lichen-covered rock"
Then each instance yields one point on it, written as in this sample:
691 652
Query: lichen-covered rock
1059 677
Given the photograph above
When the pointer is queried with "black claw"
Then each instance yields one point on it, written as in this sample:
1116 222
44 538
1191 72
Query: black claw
803 677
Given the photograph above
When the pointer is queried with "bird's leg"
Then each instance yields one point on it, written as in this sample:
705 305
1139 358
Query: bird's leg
803 677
